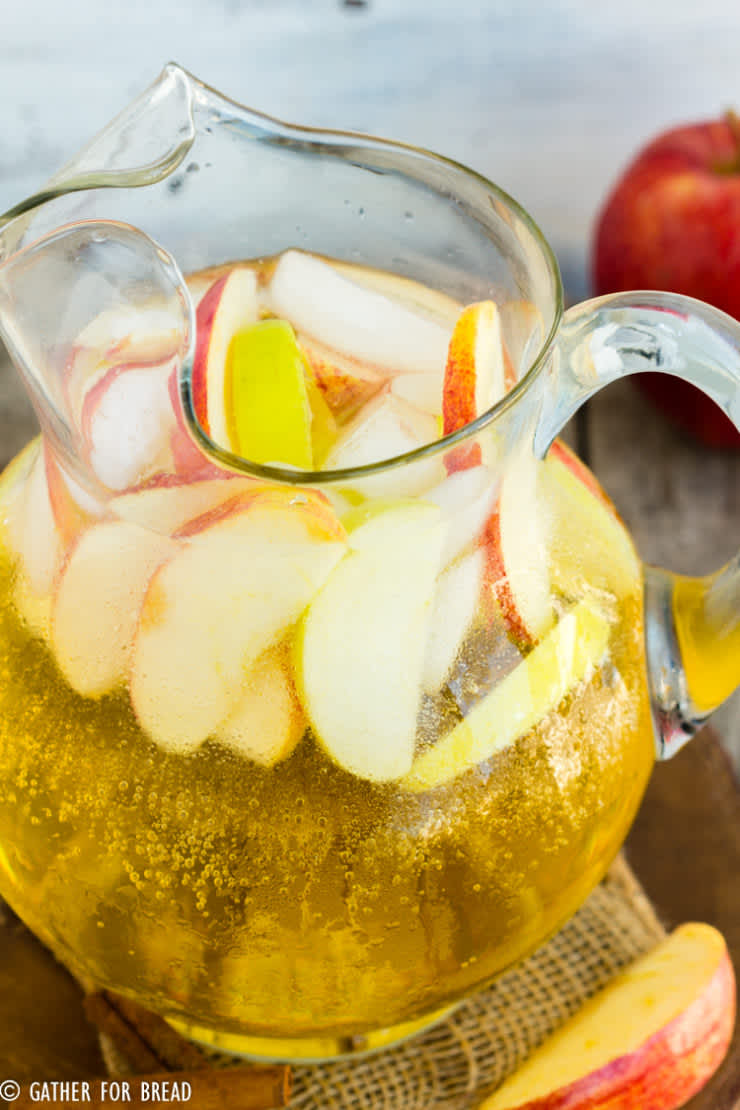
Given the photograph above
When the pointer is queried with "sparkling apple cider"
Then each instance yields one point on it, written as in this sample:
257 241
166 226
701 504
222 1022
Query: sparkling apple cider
372 805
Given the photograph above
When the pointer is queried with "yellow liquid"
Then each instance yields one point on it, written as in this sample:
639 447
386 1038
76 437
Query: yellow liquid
299 901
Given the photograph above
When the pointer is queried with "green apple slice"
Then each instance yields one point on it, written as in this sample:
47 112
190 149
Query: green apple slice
268 412
564 657
360 649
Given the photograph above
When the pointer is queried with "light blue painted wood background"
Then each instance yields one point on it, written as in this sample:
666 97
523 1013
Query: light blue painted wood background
549 98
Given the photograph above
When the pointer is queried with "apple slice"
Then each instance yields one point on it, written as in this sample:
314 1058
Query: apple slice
467 498
229 305
517 539
268 415
166 505
127 422
589 547
454 607
268 721
566 656
474 376
345 383
523 333
384 428
354 319
439 306
649 1041
422 390
360 649
244 576
32 528
97 601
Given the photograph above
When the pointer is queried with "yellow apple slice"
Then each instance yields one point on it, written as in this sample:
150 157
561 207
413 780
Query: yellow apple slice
360 650
354 319
589 547
97 601
242 576
649 1041
31 524
267 410
564 658
323 423
268 721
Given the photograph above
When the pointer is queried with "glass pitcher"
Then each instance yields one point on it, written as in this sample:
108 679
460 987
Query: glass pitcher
331 679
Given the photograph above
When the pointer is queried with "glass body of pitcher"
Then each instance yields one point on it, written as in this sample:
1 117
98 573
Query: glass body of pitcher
331 679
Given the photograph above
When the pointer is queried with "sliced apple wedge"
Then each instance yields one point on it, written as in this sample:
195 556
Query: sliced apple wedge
360 648
345 383
474 372
97 601
31 525
166 506
523 333
268 415
453 611
127 422
268 721
517 538
384 428
567 656
229 305
244 576
467 498
422 390
648 1041
354 319
589 547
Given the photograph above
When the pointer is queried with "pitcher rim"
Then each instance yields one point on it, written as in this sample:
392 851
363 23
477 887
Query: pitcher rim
294 476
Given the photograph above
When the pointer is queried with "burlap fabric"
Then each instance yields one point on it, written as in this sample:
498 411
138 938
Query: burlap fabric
458 1061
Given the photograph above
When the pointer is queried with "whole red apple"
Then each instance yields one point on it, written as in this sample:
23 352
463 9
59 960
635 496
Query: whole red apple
672 222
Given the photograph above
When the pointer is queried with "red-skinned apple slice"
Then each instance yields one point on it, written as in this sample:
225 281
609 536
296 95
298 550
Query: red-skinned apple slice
475 375
560 451
245 575
467 498
354 319
649 1041
127 423
229 305
97 601
167 505
515 540
268 721
516 545
345 383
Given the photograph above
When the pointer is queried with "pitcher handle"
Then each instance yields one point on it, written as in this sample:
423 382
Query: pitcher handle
692 624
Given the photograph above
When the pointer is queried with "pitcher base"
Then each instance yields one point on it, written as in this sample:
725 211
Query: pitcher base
306 1050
